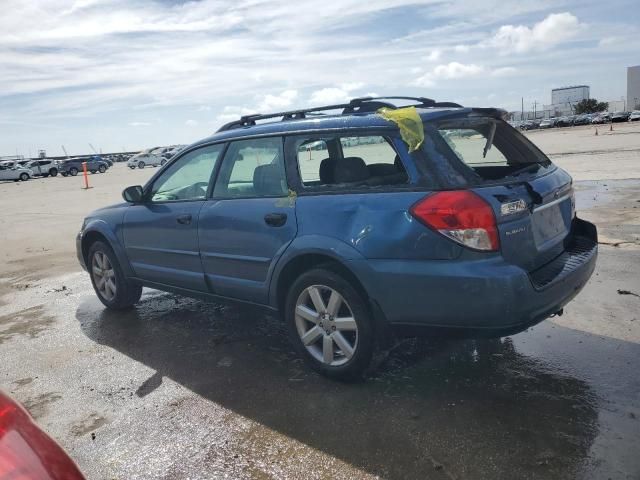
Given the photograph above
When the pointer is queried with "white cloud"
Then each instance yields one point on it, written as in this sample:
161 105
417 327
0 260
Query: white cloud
434 55
452 70
272 103
457 70
554 29
461 48
139 124
329 96
191 123
504 71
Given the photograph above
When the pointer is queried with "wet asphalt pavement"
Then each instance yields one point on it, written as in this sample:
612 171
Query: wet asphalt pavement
178 388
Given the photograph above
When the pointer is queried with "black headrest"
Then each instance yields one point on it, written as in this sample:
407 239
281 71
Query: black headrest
350 169
326 170
267 180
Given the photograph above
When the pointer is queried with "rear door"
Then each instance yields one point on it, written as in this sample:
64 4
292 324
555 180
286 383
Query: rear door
532 199
249 222
161 233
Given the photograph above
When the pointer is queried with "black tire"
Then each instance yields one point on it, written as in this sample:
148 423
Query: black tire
53 172
127 293
140 164
24 177
73 171
102 169
358 364
162 163
93 171
132 167
64 174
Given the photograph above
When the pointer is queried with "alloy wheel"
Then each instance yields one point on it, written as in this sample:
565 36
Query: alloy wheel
104 275
326 325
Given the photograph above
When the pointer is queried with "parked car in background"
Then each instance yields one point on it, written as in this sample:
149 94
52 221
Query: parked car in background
602 117
529 125
15 173
73 166
564 122
635 116
484 237
44 167
146 159
548 123
620 117
26 451
584 119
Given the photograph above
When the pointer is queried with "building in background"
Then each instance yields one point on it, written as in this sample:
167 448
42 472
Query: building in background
564 100
633 88
616 106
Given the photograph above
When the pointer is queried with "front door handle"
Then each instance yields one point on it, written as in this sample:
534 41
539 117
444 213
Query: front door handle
184 219
275 219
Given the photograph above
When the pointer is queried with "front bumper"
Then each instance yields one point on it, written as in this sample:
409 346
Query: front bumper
486 297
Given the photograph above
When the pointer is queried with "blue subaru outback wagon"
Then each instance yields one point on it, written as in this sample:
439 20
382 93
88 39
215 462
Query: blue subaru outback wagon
327 216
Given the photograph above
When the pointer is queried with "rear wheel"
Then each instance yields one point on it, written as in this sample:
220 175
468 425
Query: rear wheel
109 282
330 325
102 169
73 171
140 164
24 177
53 172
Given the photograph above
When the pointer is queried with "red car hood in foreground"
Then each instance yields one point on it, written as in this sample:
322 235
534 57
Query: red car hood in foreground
26 452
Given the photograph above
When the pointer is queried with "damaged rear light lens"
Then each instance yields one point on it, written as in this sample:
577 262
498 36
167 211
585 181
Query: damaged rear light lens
462 216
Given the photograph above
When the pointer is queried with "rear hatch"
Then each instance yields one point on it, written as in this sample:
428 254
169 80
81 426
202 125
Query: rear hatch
532 199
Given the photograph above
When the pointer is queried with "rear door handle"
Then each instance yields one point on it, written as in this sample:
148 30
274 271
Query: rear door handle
275 219
184 219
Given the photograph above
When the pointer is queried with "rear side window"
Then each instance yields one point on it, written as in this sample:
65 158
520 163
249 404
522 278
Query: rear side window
355 161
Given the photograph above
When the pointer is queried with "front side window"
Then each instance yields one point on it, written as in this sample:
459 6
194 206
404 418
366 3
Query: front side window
252 168
188 178
356 161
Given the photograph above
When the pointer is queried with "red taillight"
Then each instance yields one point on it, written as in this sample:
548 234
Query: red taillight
462 216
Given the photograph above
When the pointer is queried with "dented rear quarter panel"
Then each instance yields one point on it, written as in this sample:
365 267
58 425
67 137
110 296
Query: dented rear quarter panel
378 226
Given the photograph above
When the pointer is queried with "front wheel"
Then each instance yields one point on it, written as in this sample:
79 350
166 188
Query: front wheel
24 177
330 324
140 164
109 282
102 169
53 172
73 171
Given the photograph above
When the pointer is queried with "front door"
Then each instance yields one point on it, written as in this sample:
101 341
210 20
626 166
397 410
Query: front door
249 222
161 233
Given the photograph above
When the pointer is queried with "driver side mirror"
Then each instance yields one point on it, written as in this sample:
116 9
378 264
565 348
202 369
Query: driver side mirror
133 194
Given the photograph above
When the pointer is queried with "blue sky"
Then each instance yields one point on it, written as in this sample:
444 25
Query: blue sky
137 73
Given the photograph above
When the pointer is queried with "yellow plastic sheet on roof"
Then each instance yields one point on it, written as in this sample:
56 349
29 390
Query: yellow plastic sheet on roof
409 122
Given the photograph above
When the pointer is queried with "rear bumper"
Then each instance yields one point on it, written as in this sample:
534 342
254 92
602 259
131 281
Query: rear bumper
486 297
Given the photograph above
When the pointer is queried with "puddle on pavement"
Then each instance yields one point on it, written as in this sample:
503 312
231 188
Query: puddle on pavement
530 405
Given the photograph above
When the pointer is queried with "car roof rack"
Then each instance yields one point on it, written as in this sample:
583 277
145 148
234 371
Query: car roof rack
356 105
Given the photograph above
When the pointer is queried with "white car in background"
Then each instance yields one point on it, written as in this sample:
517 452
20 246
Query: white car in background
145 159
15 173
635 116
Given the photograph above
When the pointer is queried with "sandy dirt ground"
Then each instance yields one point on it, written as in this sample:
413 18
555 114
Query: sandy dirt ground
179 389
